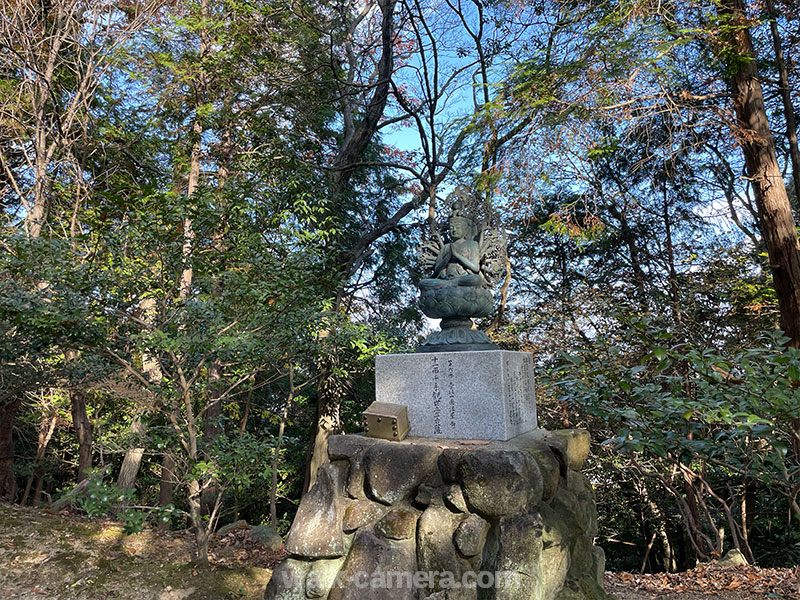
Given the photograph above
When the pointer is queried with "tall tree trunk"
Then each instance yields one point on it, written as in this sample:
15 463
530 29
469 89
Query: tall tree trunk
777 222
46 429
212 426
674 291
201 530
133 456
35 220
81 423
151 367
202 526
37 493
330 391
355 140
786 97
693 526
192 183
167 482
212 429
8 481
629 238
43 146
34 224
273 492
753 133
83 431
659 524
246 414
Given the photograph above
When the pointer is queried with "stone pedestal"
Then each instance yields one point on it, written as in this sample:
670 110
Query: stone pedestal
486 395
427 519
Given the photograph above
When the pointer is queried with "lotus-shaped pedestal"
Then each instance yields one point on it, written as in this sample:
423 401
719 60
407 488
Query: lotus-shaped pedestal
454 302
456 306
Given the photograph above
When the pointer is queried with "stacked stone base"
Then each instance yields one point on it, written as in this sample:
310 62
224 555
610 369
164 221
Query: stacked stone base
430 519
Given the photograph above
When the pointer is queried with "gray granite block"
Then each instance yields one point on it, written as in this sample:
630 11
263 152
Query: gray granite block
487 395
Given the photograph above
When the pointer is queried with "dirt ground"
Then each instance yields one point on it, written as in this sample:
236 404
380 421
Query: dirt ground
61 556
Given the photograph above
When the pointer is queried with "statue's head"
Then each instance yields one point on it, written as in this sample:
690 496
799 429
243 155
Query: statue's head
461 227
462 223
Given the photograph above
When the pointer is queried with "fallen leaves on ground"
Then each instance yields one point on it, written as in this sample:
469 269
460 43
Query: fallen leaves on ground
236 549
713 580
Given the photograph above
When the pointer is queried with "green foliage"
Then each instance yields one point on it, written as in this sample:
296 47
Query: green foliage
134 519
96 498
723 419
686 402
238 462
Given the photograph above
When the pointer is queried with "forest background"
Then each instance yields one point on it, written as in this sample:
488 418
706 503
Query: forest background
210 212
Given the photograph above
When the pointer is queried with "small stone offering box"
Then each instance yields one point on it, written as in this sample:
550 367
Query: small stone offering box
484 395
386 421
